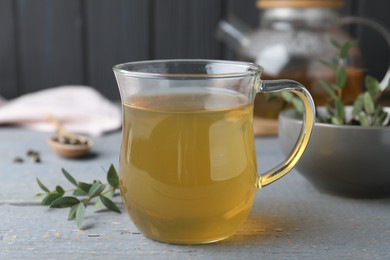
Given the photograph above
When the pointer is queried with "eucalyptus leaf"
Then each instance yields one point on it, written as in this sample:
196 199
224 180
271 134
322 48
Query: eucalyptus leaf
72 212
92 192
336 121
49 198
325 86
340 114
380 120
357 106
287 96
96 189
379 116
366 108
341 77
329 65
98 204
69 177
64 202
335 43
345 48
112 177
80 213
109 194
368 103
378 111
298 105
79 192
84 186
40 195
373 87
60 190
43 187
363 120
109 204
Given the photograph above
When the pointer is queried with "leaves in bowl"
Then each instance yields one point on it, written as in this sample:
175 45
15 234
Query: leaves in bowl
366 108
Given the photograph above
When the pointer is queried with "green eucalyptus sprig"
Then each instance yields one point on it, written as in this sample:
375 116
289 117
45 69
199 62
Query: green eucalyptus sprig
83 194
366 108
336 107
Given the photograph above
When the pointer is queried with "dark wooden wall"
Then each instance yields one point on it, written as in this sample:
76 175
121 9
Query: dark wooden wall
46 43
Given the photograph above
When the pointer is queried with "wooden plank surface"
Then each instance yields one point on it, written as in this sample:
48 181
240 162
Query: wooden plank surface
50 43
289 219
117 32
186 29
8 54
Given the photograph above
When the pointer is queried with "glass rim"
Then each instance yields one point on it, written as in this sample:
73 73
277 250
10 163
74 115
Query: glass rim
252 69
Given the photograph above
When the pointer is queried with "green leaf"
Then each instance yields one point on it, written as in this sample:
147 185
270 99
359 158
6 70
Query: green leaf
38 195
50 198
69 177
340 114
298 105
379 116
287 96
335 43
96 189
112 177
325 86
341 77
109 204
109 194
98 204
368 103
329 65
43 187
357 106
60 190
380 119
79 192
64 202
373 87
335 121
363 120
84 186
378 111
345 48
80 213
72 212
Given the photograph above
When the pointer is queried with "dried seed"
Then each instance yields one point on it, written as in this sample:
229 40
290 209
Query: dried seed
34 156
18 160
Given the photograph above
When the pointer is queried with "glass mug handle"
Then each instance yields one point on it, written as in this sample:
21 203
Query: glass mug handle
269 86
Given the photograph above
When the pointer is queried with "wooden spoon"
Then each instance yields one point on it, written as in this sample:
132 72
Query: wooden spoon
68 144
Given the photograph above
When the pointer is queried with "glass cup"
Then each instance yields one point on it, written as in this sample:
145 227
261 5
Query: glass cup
188 170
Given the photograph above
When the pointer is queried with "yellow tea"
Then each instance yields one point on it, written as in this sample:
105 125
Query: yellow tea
188 166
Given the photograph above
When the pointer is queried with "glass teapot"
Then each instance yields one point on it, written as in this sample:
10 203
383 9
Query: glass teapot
293 37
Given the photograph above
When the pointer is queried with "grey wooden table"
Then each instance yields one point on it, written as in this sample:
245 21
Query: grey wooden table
290 219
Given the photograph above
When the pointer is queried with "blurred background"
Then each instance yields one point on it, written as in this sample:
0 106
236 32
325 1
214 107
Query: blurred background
47 43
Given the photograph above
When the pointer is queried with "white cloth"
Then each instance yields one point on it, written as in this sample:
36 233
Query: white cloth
81 109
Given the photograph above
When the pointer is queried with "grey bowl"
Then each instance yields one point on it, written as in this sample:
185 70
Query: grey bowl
346 160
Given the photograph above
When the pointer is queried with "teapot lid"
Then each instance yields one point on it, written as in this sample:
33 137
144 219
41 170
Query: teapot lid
265 4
